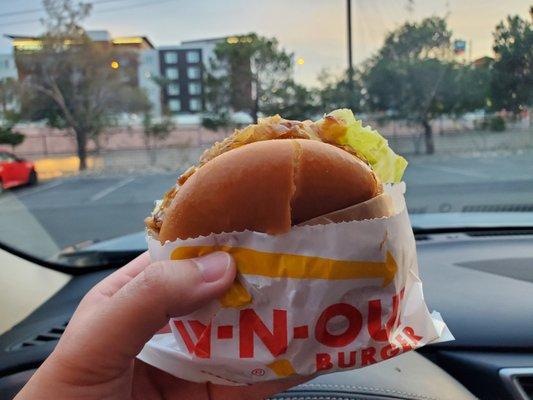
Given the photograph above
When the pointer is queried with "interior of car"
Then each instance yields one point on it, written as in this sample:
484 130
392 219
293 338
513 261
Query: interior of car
463 279
105 105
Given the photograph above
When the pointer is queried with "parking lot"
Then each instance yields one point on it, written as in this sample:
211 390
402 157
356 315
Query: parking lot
55 214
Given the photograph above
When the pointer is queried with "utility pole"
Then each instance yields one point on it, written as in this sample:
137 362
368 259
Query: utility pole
350 60
349 33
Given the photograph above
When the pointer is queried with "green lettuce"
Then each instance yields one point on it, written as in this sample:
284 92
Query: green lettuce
367 142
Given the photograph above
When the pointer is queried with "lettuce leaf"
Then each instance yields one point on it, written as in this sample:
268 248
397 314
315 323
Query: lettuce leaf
345 130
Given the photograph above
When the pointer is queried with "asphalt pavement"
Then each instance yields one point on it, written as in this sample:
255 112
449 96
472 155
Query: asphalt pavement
55 214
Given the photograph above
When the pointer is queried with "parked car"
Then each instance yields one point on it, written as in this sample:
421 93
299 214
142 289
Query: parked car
15 171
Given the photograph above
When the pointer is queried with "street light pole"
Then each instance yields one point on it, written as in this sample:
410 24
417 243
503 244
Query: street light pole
350 60
349 33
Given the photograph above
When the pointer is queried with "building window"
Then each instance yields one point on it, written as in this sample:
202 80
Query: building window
123 62
173 89
195 104
172 73
171 57
195 88
174 105
193 72
193 57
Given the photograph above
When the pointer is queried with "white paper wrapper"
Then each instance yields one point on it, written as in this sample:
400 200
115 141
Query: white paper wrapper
317 299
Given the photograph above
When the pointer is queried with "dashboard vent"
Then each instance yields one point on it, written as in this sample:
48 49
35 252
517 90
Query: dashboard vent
499 208
519 382
421 237
503 232
51 335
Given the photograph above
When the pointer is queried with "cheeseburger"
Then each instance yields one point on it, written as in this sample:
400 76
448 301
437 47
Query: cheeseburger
279 173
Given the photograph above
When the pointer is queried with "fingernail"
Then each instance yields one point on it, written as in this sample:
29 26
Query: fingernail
213 266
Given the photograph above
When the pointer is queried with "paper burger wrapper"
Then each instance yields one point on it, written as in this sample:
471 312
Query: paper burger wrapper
377 207
338 293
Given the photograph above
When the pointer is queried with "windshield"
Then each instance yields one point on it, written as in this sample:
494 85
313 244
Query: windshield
104 103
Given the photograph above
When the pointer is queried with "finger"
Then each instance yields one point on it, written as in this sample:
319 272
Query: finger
110 285
129 318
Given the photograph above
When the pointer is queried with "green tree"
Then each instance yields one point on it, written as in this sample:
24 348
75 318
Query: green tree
467 88
245 74
70 82
336 92
429 38
9 115
512 78
9 136
292 101
412 77
154 132
216 99
9 95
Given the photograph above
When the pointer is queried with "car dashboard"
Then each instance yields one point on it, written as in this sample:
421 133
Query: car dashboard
481 281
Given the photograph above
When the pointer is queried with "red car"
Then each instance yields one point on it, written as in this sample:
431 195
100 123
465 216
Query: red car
15 171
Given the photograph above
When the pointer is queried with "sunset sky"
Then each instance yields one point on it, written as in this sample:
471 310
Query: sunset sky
312 29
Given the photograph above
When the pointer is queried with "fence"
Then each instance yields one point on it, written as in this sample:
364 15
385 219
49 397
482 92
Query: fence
42 141
467 142
455 136
124 148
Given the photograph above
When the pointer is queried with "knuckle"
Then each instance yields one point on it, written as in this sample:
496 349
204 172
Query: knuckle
153 278
162 279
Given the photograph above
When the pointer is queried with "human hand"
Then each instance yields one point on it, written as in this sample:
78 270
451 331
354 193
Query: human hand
95 357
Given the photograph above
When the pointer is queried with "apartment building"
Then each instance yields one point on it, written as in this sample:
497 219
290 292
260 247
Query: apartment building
172 76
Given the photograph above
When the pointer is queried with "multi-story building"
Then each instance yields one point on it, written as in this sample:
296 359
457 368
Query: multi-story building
172 76
182 72
183 68
126 50
148 72
8 69
29 43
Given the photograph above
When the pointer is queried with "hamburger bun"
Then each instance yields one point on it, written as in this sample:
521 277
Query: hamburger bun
268 186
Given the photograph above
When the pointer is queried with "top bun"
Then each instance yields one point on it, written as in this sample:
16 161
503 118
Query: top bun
267 186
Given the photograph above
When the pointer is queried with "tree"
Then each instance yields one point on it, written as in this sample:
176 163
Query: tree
9 136
429 38
155 131
9 116
412 76
245 74
292 101
337 92
70 81
9 92
467 88
512 78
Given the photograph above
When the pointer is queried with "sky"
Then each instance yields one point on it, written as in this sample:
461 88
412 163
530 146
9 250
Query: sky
314 30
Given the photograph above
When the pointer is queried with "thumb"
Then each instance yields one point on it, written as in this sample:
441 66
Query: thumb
123 323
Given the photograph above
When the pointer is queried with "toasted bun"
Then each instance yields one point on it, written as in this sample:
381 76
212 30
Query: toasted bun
268 186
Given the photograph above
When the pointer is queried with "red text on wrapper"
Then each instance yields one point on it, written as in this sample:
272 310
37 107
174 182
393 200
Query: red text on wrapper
407 339
198 337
